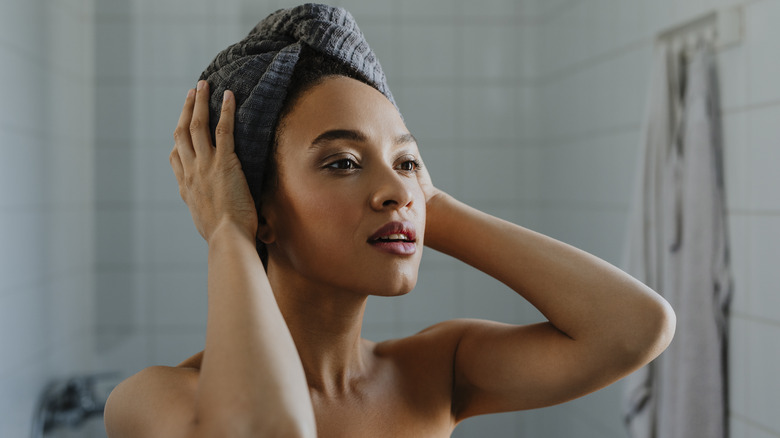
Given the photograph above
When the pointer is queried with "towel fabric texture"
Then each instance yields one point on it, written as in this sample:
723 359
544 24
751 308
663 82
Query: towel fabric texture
678 246
258 68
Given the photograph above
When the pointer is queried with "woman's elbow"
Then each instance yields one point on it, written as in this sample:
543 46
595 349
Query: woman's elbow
653 331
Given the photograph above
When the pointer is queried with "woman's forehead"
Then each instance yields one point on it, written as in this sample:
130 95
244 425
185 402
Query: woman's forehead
343 104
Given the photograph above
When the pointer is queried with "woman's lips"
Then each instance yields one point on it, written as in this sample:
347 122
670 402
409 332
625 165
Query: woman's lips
397 247
395 238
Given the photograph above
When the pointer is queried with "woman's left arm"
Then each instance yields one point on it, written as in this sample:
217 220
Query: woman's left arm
602 323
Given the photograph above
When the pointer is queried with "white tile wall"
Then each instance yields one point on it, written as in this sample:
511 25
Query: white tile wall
760 44
46 200
592 97
763 154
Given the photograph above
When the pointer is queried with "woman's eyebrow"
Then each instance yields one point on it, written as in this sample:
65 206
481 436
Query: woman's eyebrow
339 134
405 138
352 135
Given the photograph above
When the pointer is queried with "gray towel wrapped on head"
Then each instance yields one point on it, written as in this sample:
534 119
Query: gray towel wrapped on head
258 68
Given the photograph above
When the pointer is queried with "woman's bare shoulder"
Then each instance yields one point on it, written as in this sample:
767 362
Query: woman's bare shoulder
157 401
440 338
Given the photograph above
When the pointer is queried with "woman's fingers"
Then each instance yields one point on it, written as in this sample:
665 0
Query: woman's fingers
224 131
178 171
182 133
199 125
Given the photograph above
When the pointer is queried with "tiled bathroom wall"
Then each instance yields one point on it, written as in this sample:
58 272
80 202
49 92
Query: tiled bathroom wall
46 200
593 64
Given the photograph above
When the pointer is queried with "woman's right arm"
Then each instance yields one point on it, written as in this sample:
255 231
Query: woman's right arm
251 381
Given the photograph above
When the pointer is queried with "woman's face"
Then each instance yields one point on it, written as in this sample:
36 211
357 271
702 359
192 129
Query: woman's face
348 211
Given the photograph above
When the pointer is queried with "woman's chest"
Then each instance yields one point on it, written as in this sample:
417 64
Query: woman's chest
390 418
394 404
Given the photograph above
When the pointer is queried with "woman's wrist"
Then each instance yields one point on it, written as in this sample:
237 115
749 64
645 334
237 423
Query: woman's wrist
230 231
439 209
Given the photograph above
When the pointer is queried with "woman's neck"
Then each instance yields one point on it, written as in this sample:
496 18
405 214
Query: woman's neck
325 325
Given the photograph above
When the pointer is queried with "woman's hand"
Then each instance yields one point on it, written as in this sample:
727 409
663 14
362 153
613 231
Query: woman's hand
433 197
211 181
424 179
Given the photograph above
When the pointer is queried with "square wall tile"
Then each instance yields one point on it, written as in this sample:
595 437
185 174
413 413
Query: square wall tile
439 9
733 71
120 301
489 112
70 108
21 173
429 51
179 298
496 8
24 333
373 9
116 48
115 112
21 22
428 111
763 275
739 356
629 20
660 15
491 51
69 237
761 39
490 174
594 170
113 9
115 174
763 384
23 259
27 94
736 152
739 428
739 255
116 239
69 174
181 49
71 306
763 156
20 389
628 77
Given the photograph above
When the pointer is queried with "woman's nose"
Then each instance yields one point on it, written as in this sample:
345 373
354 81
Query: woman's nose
390 191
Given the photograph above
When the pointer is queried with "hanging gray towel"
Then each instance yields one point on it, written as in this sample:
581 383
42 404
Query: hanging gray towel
677 245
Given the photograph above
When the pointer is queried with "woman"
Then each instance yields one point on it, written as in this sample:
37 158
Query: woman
339 207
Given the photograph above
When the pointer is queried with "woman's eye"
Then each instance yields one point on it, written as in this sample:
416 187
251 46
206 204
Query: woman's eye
343 164
409 166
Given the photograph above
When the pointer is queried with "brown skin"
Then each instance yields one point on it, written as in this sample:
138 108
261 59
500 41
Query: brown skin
283 354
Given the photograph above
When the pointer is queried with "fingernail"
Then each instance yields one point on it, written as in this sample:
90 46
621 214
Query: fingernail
190 92
201 84
225 96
